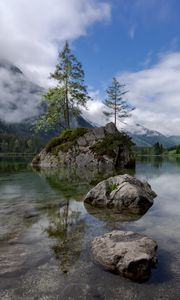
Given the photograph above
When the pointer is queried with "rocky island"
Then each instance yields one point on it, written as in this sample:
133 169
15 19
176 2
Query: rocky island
101 148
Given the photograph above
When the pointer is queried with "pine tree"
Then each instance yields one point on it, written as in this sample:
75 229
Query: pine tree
117 106
64 101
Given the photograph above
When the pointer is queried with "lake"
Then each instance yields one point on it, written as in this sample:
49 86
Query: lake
45 234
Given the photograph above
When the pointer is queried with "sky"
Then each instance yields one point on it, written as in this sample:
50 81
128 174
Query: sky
138 41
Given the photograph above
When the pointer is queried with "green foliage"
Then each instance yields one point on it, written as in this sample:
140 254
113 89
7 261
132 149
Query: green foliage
65 141
111 187
178 149
53 100
110 143
117 106
64 101
12 143
158 149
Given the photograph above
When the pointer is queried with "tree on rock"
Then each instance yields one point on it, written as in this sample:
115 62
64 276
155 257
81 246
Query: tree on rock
117 106
64 101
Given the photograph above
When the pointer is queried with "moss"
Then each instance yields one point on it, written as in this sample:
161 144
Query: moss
110 144
65 141
112 187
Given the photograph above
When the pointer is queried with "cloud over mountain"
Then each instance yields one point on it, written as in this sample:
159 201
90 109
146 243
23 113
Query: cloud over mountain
19 97
155 91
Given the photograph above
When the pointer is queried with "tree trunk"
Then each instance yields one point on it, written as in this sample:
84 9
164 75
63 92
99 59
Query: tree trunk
67 106
115 111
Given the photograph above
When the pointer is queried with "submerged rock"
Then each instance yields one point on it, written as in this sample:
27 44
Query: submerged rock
103 148
127 253
122 192
113 215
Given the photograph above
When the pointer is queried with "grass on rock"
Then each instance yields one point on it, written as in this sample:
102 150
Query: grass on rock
65 141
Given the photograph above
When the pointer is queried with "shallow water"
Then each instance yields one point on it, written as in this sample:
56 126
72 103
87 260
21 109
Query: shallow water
45 233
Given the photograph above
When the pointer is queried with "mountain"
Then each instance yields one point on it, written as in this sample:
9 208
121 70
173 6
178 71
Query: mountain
144 137
19 97
175 139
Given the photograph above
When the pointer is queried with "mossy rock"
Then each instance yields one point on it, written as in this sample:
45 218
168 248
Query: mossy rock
110 144
65 141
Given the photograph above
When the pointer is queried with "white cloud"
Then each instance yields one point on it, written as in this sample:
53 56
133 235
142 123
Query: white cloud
19 97
155 92
94 112
32 31
95 108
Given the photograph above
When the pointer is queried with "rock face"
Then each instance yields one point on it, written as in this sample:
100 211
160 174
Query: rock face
127 253
122 192
103 148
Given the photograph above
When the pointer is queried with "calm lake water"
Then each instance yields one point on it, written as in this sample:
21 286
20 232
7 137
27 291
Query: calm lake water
45 233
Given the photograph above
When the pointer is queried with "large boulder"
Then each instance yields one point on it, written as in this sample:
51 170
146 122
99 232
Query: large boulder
125 252
122 192
102 149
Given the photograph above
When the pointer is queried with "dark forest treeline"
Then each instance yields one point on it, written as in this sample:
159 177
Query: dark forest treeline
11 143
156 149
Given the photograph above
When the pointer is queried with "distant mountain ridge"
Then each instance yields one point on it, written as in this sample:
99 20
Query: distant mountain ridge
144 137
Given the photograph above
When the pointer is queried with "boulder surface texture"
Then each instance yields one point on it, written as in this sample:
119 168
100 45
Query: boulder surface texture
129 254
122 192
102 148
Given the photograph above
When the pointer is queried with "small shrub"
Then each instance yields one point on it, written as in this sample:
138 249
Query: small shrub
112 187
110 143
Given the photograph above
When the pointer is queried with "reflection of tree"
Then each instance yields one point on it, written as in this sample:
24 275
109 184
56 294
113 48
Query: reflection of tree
73 183
67 229
66 182
157 162
11 165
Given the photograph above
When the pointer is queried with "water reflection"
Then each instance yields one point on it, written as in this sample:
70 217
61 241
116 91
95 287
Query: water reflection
66 227
13 165
67 177
112 215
